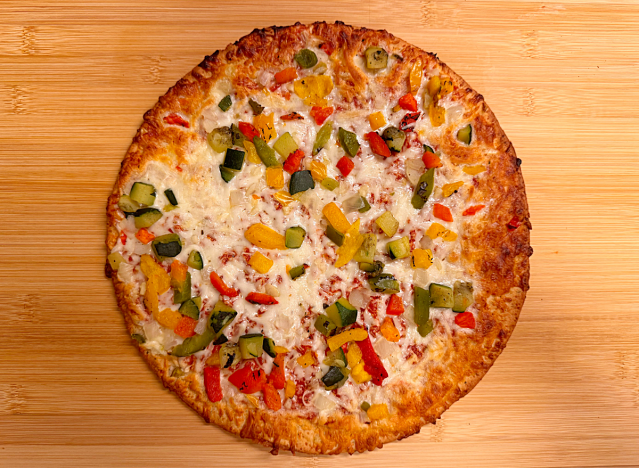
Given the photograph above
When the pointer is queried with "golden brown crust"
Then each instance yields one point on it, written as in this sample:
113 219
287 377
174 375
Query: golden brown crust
495 256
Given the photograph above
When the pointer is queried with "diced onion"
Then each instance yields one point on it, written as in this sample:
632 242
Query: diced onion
125 272
272 290
236 198
201 325
426 243
454 113
142 249
414 170
359 297
322 403
352 204
420 277
385 348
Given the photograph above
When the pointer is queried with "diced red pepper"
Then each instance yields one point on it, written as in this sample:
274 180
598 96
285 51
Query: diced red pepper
212 383
123 237
293 162
345 165
248 130
408 121
378 145
395 305
372 363
513 223
408 102
278 377
271 397
292 116
442 212
185 327
465 320
286 75
248 380
327 48
472 210
144 236
320 114
222 288
175 119
260 298
431 160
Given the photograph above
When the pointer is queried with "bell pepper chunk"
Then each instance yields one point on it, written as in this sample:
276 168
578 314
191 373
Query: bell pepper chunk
372 363
389 330
379 411
306 360
144 236
442 212
345 165
472 210
320 114
465 320
352 242
395 305
354 334
271 397
265 237
248 130
277 377
260 263
185 327
248 380
378 145
336 217
408 102
286 75
212 383
260 298
219 284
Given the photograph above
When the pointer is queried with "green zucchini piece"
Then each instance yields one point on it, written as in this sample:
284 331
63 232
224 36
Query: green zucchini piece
143 193
373 269
465 135
294 237
423 189
349 142
226 103
195 260
336 358
306 58
426 328
256 106
230 355
325 325
365 406
190 309
333 377
182 291
193 344
147 217
368 249
366 207
198 301
265 152
399 248
334 235
237 137
376 58
394 138
342 313
300 182
170 196
428 149
168 245
251 345
227 174
128 205
220 138
441 296
139 338
422 306
169 207
297 271
221 317
330 184
221 340
285 145
384 283
268 345
234 159
462 296
387 223
323 135
115 259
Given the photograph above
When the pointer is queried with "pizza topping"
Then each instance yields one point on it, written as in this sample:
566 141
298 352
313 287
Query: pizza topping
251 345
345 166
323 135
395 305
128 205
222 288
415 76
377 412
422 258
335 216
313 89
335 377
474 170
513 224
248 130
330 184
389 330
472 210
294 237
318 170
306 360
294 162
462 296
297 271
408 102
367 250
142 193
450 189
185 327
399 248
168 245
441 295
225 103
465 320
376 58
247 380
378 145
212 383
387 223
144 236
306 58
301 181
193 344
272 398
256 107
265 125
265 152
442 212
408 121
372 363
334 235
352 241
436 114
275 177
320 114
423 189
264 237
394 138
348 142
260 298
436 230
234 159
220 139
286 75
292 116
376 120
277 377
147 217
431 160
342 313
422 311
384 283
175 119
465 135
190 309
227 174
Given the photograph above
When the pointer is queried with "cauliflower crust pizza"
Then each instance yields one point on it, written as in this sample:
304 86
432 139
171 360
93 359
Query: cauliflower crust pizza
319 238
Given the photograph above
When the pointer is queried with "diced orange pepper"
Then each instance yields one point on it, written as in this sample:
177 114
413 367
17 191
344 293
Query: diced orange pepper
144 236
286 75
185 327
442 212
389 330
336 217
178 271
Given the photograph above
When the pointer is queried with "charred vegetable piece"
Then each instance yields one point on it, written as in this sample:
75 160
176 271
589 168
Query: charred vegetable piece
323 135
168 245
221 340
195 260
399 248
349 142
373 269
226 103
300 182
147 217
394 138
367 250
330 184
334 235
422 306
268 345
366 206
285 145
143 193
342 313
139 338
376 58
462 296
229 355
234 159
128 205
251 345
193 344
441 296
265 152
182 290
306 58
325 325
428 149
227 174
335 358
294 237
237 137
423 189
257 108
190 309
384 283
465 135
333 377
170 196
220 139
296 272
221 317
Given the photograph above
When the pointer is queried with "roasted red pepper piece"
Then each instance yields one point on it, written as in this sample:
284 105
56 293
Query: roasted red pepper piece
260 298
222 288
293 162
320 114
408 121
395 305
378 145
513 223
408 102
123 238
465 320
286 75
248 130
442 212
175 119
328 48
292 116
271 397
248 380
345 165
372 363
212 383
431 160
277 377
472 210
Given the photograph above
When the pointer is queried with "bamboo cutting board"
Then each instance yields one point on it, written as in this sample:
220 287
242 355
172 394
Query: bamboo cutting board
75 79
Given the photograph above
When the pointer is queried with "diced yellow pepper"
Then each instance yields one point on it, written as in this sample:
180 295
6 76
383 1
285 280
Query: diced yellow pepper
260 263
352 242
253 400
387 223
284 198
151 298
290 389
354 355
449 236
280 349
265 237
379 411
422 258
251 153
306 360
389 330
474 170
397 108
318 170
376 120
264 124
446 88
437 114
159 282
168 318
449 189
436 230
415 77
275 177
359 375
213 360
336 217
354 334
433 86
149 266
313 89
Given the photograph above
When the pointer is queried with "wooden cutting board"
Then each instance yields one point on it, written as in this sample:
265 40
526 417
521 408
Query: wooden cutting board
75 79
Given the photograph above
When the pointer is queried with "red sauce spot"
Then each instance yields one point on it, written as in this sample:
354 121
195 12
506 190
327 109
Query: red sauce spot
227 256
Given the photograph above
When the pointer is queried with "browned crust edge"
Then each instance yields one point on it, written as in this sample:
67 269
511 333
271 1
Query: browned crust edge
497 257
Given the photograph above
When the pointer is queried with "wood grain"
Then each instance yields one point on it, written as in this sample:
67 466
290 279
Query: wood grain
75 79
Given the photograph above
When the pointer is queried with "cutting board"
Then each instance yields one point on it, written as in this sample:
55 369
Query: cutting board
75 80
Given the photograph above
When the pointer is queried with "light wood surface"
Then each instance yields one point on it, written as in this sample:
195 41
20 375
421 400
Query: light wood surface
75 79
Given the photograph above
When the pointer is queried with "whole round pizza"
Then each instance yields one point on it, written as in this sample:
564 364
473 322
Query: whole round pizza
319 238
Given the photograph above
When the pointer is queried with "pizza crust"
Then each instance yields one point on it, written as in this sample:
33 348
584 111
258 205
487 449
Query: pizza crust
495 257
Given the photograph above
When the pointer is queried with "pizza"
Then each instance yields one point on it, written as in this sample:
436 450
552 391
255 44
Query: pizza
319 238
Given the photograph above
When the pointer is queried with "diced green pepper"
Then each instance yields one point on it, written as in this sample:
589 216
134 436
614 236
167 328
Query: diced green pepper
285 145
182 290
193 344
323 135
265 152
294 237
168 245
251 345
190 308
441 296
334 235
306 58
330 184
463 296
195 260
422 306
426 328
366 206
256 106
423 189
349 142
376 58
399 248
368 249
384 283
147 217
300 182
143 193
226 103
